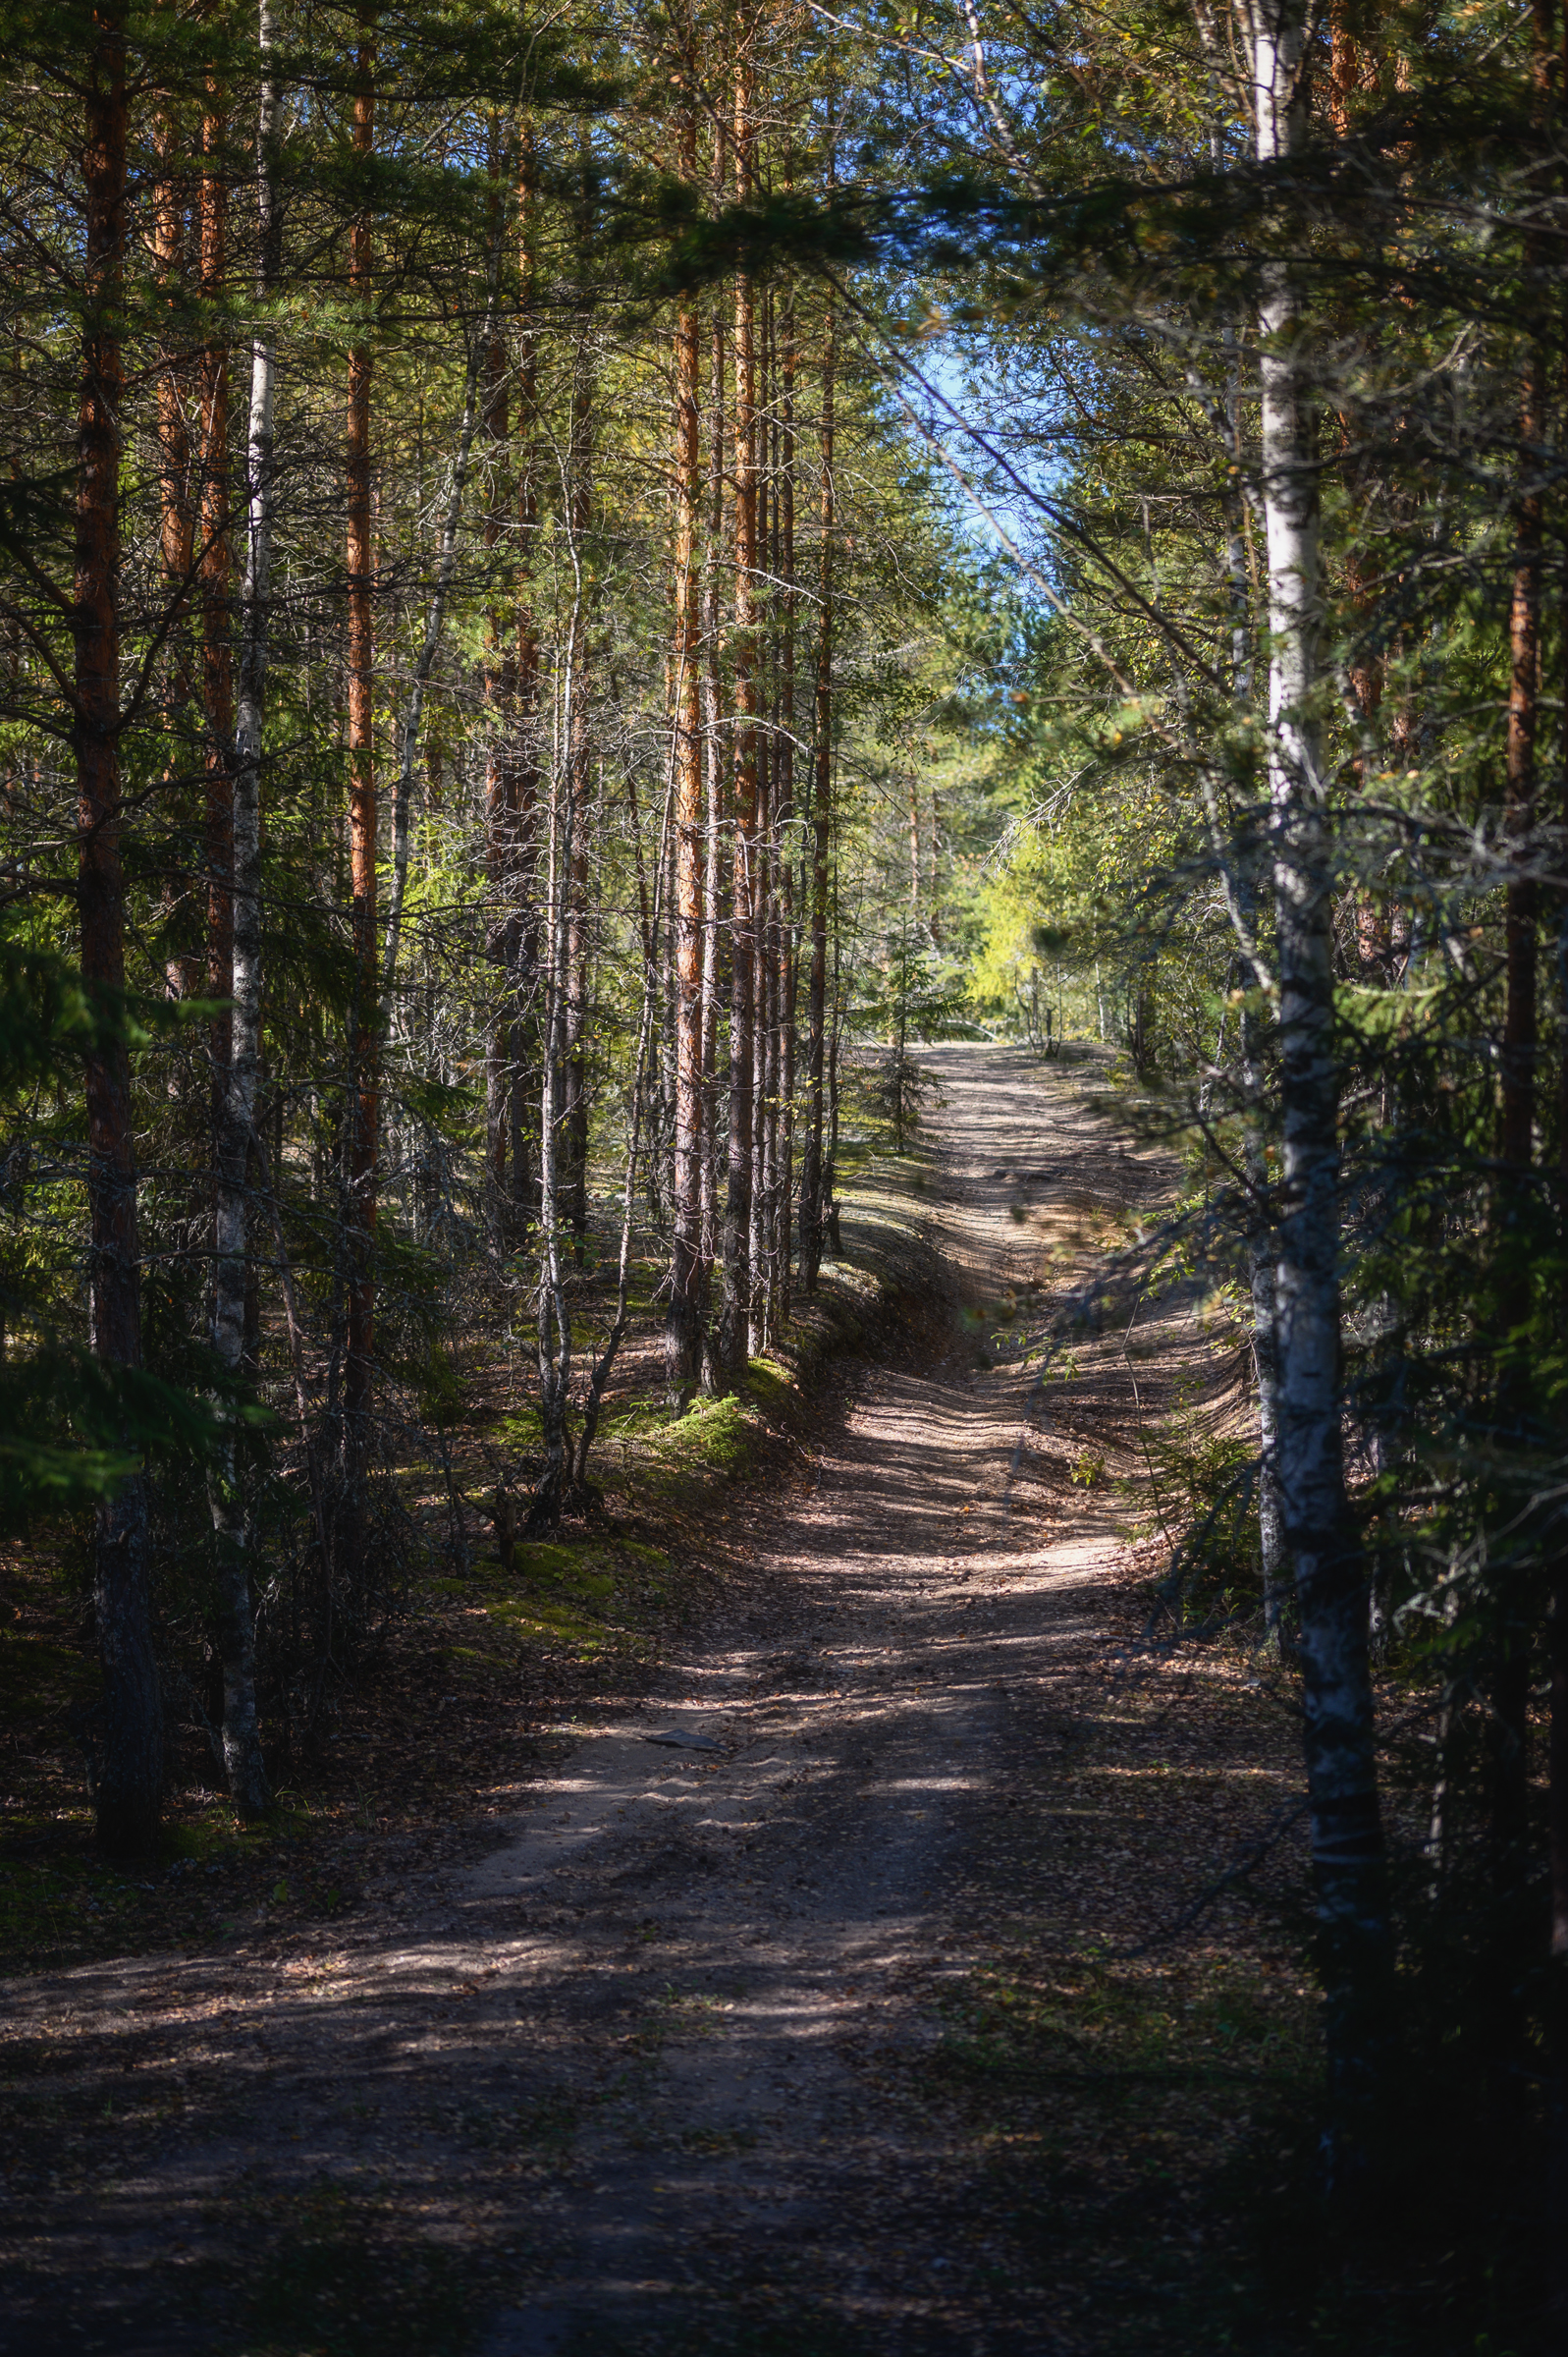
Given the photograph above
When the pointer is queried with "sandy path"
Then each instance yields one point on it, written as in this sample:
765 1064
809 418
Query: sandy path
635 2049
792 1882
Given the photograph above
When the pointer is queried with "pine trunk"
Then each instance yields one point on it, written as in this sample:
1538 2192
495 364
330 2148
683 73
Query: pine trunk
1556 2006
128 1782
553 1334
734 1330
684 1327
716 812
501 794
813 1193
573 1151
176 520
214 582
177 525
784 1083
761 896
1557 2009
1507 1745
362 1109
523 931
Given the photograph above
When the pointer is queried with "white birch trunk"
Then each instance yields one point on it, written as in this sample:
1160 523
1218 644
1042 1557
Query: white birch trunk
1317 1531
242 1762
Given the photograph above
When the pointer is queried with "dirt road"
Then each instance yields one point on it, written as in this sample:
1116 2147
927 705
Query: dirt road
637 2080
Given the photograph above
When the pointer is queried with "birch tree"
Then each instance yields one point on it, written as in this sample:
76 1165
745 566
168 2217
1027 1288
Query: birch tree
1316 1525
243 1764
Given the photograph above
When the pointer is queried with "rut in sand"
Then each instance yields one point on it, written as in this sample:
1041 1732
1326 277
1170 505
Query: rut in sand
631 2082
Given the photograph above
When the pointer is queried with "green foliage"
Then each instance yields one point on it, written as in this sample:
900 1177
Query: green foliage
915 991
73 1428
891 1093
440 1395
1203 1483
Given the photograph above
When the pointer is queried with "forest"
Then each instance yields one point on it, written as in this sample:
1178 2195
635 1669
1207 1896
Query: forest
592 601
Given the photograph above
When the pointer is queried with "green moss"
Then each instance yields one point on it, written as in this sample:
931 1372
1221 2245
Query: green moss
558 1594
1023 2029
714 1434
550 1617
651 1559
558 1590
591 1590
772 1387
542 1560
218 1834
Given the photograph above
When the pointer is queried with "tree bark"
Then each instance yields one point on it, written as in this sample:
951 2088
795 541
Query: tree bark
1263 1253
1264 1262
128 1782
363 1105
1318 1529
718 802
214 567
733 1329
1508 1720
177 517
761 904
554 1331
233 862
1556 2006
767 933
522 930
574 1180
243 1760
684 1325
784 1151
813 1203
604 1363
500 696
177 520
1556 2009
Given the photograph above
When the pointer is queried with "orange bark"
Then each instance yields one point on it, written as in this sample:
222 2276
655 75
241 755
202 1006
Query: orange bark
363 1105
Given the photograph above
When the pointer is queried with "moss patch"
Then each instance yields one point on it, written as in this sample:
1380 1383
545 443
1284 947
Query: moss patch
773 1390
715 1435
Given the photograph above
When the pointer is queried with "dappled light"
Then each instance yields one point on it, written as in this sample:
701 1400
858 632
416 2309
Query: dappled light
685 2032
784 1180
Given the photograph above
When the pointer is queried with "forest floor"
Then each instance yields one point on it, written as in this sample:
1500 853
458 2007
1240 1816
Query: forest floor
871 1972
